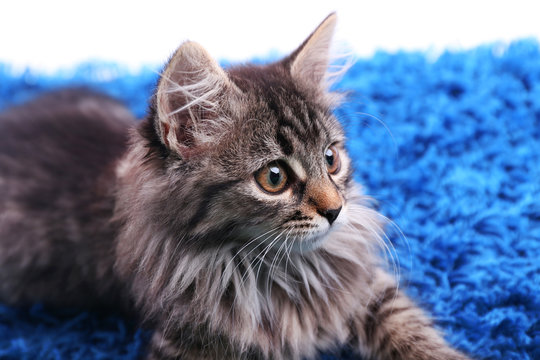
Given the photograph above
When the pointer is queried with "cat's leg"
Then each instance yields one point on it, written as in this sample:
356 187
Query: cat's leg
169 347
392 327
194 345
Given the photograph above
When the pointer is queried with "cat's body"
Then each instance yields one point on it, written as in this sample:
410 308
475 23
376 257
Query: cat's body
230 222
57 164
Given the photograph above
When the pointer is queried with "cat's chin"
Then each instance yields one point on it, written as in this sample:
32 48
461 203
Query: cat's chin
309 244
317 240
312 242
255 237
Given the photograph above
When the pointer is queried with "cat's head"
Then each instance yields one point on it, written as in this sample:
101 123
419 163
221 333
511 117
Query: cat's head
253 152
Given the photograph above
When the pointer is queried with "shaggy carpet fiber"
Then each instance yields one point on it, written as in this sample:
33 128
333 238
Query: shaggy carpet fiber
450 146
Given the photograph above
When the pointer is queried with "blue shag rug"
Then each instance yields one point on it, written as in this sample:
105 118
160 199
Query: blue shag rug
451 149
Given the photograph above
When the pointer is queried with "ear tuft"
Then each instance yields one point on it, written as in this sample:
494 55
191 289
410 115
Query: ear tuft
189 98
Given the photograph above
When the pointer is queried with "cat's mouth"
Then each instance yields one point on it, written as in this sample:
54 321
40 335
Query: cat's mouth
298 239
311 241
289 240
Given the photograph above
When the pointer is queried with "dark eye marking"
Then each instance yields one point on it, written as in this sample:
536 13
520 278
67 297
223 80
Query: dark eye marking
284 143
313 120
299 188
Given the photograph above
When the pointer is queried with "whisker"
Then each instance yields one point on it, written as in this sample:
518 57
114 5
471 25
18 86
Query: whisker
387 221
264 253
248 268
380 121
240 251
273 266
375 229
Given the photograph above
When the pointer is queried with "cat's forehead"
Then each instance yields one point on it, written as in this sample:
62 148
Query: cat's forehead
272 97
276 121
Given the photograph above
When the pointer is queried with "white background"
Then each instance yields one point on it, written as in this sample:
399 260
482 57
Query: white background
49 35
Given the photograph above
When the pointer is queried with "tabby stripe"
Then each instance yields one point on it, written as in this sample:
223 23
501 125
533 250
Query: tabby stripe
284 143
372 320
299 113
270 210
285 122
299 191
208 195
386 344
306 117
311 116
385 341
383 315
297 216
387 337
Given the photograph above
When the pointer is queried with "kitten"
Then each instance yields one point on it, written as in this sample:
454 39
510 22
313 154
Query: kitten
227 219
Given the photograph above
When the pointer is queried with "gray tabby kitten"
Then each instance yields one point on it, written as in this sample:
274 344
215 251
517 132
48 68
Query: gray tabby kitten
227 219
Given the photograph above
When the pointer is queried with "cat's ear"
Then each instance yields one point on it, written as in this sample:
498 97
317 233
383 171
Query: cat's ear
309 63
189 99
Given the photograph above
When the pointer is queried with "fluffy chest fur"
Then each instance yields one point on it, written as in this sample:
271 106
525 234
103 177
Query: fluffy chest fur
262 295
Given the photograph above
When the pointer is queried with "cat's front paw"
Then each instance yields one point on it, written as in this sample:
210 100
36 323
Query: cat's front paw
446 354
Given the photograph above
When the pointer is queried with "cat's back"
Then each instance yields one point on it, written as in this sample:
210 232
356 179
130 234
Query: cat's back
72 130
57 164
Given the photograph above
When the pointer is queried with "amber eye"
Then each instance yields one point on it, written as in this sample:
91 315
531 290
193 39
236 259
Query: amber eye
272 178
332 159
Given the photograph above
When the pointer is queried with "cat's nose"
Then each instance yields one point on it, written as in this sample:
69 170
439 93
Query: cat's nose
330 214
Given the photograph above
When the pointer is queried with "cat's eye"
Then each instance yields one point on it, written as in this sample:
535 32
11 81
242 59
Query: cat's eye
272 178
333 162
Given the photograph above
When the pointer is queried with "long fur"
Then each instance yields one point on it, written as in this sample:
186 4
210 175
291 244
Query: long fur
167 218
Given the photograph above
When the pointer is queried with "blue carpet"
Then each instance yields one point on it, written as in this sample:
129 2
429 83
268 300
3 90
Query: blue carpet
450 147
